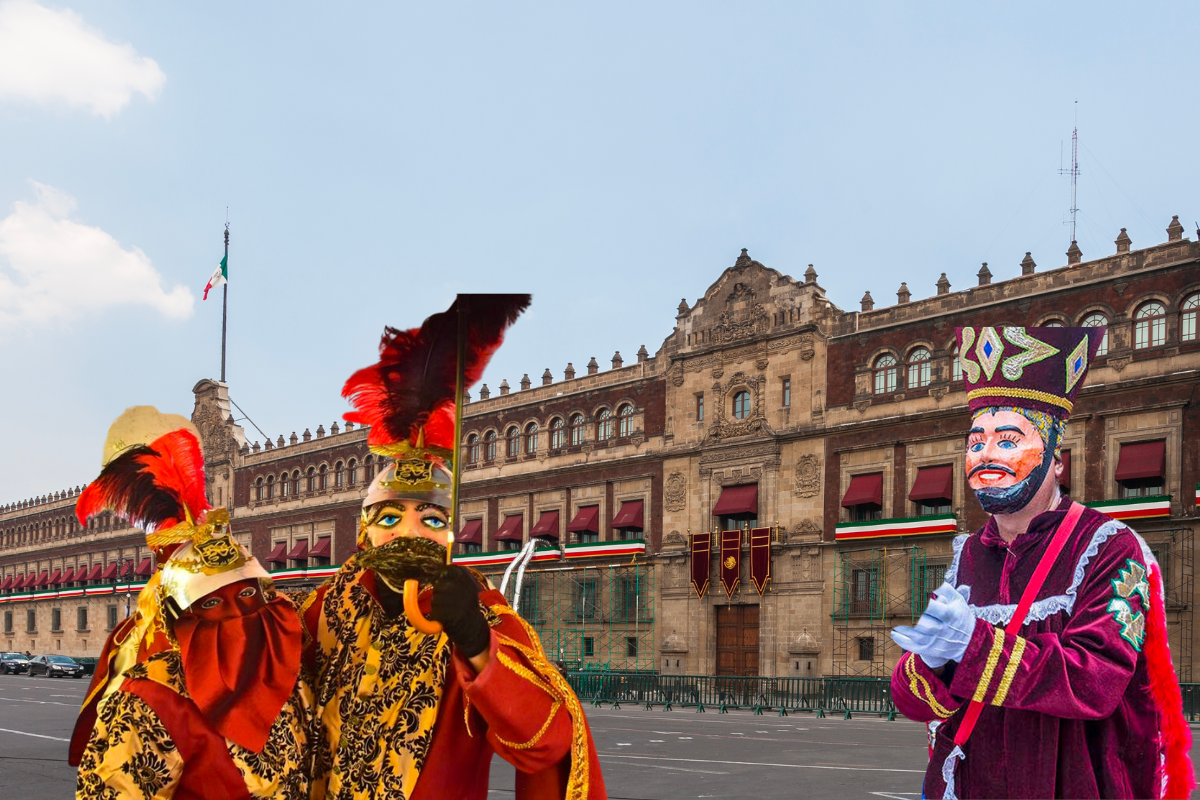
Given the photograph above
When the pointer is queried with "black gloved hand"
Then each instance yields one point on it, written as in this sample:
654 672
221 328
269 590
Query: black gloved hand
456 605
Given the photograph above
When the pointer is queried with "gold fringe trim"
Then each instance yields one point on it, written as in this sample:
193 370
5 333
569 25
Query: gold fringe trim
1025 394
1010 671
989 669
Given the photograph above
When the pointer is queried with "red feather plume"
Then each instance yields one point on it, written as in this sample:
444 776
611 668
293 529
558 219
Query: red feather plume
412 387
151 485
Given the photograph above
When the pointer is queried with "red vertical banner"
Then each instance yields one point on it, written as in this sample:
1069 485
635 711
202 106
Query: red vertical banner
701 558
731 561
760 558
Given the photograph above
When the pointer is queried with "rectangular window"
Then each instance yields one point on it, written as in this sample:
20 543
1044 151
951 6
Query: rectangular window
929 579
472 547
1162 554
631 646
865 512
866 648
630 534
589 646
787 391
739 522
864 591
529 603
81 618
699 408
112 617
586 599
8 622
30 621
1142 487
56 619
930 508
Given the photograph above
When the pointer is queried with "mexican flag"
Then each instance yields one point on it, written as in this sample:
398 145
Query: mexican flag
219 277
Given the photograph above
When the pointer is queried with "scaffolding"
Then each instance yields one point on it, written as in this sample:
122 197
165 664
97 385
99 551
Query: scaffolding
590 617
874 590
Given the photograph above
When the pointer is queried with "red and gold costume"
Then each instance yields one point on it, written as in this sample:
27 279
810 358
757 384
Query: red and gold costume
199 694
403 713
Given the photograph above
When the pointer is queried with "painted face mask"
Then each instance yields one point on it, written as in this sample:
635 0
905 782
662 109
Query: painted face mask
1007 459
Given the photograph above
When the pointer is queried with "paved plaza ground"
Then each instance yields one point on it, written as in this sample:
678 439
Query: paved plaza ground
647 755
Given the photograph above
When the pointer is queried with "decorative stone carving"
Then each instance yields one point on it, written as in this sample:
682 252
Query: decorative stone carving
673 643
1119 363
754 423
748 452
807 348
674 541
804 644
938 392
808 476
861 406
675 494
740 476
677 374
718 371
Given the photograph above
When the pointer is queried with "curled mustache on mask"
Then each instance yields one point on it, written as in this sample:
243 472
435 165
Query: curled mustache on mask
406 558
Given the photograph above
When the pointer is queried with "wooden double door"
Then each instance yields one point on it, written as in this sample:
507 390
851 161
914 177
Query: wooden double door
737 640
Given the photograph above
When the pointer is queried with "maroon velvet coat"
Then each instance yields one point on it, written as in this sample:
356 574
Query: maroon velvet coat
1068 711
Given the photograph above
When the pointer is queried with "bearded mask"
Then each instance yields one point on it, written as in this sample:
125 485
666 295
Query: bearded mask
1009 453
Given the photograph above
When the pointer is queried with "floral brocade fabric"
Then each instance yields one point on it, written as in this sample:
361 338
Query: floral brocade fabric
380 682
131 753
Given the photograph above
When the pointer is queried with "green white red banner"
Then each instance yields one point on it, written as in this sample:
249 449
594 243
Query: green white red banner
1135 507
627 547
908 526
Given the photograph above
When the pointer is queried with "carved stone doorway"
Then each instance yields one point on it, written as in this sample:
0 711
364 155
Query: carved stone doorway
737 640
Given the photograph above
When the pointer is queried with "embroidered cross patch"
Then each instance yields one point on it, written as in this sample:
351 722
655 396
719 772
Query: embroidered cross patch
1130 582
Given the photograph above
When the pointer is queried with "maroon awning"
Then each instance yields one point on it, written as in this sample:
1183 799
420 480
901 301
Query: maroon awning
1065 479
27 581
279 554
510 531
109 572
55 577
94 575
146 567
471 533
1141 460
126 569
630 515
300 550
321 548
8 582
864 489
737 500
547 525
933 483
78 574
42 581
586 519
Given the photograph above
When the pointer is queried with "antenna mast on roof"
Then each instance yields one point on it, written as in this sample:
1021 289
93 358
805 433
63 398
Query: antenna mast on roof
1073 171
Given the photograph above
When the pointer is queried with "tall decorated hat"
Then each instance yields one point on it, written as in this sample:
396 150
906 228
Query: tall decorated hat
1040 369
412 397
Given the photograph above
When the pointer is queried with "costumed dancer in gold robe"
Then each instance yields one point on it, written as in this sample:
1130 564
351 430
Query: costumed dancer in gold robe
201 694
410 707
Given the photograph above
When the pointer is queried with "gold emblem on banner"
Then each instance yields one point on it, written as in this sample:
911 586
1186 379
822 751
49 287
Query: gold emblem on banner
730 562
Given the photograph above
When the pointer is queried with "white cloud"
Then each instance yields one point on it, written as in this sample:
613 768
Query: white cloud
53 269
51 56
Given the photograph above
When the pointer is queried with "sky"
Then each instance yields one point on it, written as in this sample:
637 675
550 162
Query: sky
374 159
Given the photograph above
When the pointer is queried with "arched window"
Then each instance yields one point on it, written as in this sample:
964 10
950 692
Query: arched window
312 480
918 368
258 490
885 374
473 449
741 405
1187 321
285 487
558 433
489 446
296 481
531 438
955 363
1054 323
576 430
270 486
339 475
604 425
1150 325
625 420
1098 320
512 442
353 471
323 477
369 467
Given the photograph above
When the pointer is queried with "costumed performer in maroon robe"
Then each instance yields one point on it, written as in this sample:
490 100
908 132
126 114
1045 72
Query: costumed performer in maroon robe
1081 700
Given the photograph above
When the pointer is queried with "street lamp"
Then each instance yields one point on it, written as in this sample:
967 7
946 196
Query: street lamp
121 562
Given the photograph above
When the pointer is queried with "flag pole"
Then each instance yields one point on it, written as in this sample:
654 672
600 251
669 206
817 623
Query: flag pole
224 305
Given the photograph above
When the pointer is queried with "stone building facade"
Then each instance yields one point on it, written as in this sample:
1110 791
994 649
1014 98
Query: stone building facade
842 432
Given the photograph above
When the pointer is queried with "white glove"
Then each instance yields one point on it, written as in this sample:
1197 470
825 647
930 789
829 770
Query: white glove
943 631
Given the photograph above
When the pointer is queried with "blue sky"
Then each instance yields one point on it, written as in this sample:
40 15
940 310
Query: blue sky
609 158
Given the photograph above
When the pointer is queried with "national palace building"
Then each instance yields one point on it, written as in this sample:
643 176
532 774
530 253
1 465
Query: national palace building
833 439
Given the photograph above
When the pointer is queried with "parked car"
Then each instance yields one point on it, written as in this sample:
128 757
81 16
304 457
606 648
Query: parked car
55 667
13 663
